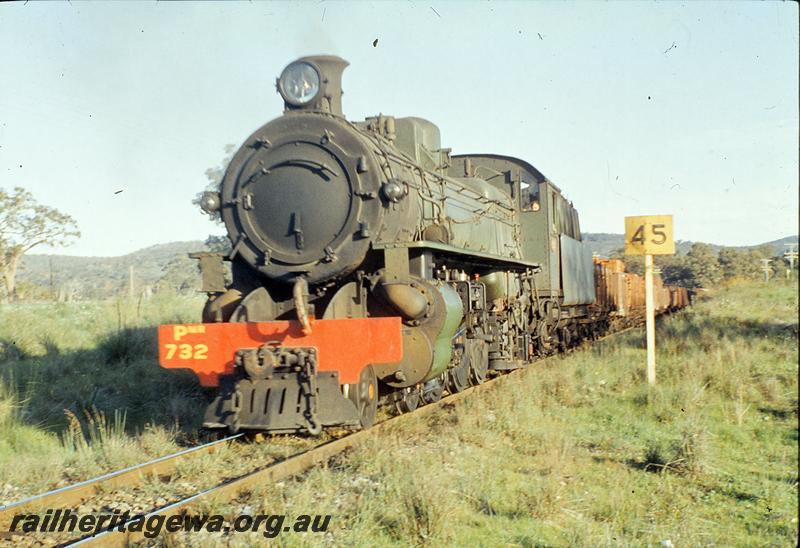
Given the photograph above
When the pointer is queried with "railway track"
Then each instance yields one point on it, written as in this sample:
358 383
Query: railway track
73 495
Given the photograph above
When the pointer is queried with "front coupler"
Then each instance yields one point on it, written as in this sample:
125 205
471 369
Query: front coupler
279 390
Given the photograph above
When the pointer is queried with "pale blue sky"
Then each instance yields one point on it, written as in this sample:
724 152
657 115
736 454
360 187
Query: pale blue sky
631 108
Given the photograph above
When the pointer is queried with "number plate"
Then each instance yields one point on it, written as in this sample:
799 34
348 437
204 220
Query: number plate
649 235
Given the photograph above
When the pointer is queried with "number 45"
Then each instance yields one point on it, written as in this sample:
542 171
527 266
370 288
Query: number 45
658 232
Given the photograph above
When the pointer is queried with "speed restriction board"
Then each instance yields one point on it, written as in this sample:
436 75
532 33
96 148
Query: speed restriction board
649 235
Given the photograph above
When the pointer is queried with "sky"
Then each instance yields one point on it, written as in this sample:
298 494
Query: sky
630 108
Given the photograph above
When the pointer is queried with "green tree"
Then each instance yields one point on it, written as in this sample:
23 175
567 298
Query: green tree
755 259
25 224
733 263
214 176
674 269
633 264
218 244
704 266
764 251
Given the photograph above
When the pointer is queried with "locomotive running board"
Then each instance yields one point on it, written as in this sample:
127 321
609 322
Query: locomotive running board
508 262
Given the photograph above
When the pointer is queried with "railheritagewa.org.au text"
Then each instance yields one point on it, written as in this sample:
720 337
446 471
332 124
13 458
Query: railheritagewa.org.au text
270 525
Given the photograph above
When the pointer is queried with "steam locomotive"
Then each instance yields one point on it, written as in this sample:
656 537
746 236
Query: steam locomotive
369 265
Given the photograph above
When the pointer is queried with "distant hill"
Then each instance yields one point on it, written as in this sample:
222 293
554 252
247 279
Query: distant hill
101 277
603 244
104 276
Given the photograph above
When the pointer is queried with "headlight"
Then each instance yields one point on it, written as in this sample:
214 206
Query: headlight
299 84
210 202
392 191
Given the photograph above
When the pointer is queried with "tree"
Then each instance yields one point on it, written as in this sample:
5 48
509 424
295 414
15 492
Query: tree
218 244
633 264
731 261
214 176
674 269
25 224
739 264
755 257
704 266
764 251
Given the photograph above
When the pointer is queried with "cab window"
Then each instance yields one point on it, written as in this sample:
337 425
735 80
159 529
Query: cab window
529 196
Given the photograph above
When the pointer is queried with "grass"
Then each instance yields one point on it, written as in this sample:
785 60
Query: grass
580 452
81 392
575 451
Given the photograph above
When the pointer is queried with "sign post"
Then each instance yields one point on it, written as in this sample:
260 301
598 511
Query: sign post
649 235
650 311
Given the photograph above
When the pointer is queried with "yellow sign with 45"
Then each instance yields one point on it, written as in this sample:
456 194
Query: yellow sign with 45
649 235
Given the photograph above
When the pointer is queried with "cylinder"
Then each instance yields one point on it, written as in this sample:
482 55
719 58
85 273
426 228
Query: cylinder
428 332
443 346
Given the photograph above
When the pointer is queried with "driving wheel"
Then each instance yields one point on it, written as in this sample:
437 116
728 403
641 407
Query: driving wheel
365 396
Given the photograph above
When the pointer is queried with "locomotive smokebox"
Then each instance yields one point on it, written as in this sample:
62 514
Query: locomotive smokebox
301 197
313 83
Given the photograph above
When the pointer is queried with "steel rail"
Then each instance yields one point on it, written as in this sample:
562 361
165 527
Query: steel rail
73 495
301 462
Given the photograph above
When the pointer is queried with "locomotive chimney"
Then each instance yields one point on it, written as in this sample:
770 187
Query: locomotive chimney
313 83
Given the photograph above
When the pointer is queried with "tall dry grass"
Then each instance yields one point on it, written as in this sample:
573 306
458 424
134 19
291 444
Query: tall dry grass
81 392
580 452
575 451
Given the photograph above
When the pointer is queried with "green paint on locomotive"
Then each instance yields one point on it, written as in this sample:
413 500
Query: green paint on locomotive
443 346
